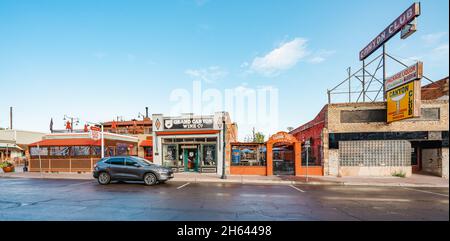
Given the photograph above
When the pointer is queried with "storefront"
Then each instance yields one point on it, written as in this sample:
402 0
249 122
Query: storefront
355 139
248 159
192 143
280 155
76 152
147 146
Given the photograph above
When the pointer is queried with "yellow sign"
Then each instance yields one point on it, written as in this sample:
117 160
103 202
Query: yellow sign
403 102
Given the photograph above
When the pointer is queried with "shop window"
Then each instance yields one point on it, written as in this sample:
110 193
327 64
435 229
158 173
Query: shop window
247 156
59 151
96 150
170 155
262 156
148 151
109 151
209 155
122 149
41 151
80 150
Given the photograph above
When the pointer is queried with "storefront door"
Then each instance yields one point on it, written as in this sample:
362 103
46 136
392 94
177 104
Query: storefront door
416 160
190 160
283 162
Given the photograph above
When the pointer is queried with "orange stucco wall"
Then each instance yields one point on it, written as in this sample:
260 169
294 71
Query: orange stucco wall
248 170
312 171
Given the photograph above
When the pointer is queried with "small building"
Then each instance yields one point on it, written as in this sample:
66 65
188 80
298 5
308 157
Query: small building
281 155
76 152
14 144
354 139
191 143
142 129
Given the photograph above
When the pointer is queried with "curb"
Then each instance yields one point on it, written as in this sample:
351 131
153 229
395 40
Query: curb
243 181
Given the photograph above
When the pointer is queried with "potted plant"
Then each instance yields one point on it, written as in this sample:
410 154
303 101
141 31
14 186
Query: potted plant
7 166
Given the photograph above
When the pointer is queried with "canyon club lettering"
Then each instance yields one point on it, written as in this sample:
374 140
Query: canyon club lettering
405 18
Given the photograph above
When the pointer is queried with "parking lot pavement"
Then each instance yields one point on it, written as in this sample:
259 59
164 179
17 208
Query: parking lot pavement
50 199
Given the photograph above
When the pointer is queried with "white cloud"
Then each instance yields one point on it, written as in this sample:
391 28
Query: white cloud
209 75
439 54
433 38
282 58
320 56
442 49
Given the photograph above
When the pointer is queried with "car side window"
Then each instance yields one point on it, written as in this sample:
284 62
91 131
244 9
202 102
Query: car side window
117 161
132 163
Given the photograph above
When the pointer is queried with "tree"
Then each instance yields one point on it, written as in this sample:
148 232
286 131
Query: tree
290 128
259 137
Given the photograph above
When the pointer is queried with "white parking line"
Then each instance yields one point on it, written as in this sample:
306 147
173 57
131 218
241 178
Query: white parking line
296 188
440 194
183 185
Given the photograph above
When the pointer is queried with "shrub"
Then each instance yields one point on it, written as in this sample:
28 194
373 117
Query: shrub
399 174
6 164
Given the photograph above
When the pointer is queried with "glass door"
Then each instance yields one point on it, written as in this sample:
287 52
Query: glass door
190 160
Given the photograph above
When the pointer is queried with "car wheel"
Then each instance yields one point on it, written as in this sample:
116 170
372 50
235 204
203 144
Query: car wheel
104 178
150 179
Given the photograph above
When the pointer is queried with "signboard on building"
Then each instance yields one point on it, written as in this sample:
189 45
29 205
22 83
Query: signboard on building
405 18
94 133
409 29
403 102
407 75
188 123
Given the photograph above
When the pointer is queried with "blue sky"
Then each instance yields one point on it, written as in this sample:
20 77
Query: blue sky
101 59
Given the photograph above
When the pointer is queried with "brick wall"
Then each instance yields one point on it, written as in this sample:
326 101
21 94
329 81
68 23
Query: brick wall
334 125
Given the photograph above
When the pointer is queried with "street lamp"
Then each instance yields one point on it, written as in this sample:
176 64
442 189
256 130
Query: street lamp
77 120
224 127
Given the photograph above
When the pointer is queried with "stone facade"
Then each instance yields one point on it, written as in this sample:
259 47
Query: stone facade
435 161
432 161
417 124
445 163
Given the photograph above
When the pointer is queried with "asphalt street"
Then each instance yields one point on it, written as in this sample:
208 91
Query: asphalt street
50 199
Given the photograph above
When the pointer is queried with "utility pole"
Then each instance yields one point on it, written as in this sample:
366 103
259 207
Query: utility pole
224 146
307 146
10 118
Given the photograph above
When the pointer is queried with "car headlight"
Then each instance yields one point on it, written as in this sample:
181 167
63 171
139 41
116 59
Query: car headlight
163 170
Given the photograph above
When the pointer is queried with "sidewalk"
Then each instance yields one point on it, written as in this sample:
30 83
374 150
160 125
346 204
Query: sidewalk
415 181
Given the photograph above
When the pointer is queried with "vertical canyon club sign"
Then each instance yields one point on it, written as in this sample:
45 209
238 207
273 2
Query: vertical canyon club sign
404 19
403 102
186 124
403 93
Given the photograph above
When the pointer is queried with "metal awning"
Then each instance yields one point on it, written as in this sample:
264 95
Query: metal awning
9 146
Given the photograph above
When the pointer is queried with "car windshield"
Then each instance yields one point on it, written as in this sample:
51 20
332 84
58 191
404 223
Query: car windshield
142 161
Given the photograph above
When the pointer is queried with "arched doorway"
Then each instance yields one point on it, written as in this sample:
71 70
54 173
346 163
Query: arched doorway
283 155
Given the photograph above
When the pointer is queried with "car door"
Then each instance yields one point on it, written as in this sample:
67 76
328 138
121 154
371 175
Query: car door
117 167
133 170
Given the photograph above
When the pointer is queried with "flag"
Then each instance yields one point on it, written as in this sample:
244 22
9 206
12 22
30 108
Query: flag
51 125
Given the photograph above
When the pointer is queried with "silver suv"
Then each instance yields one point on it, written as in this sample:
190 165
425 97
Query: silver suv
130 168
